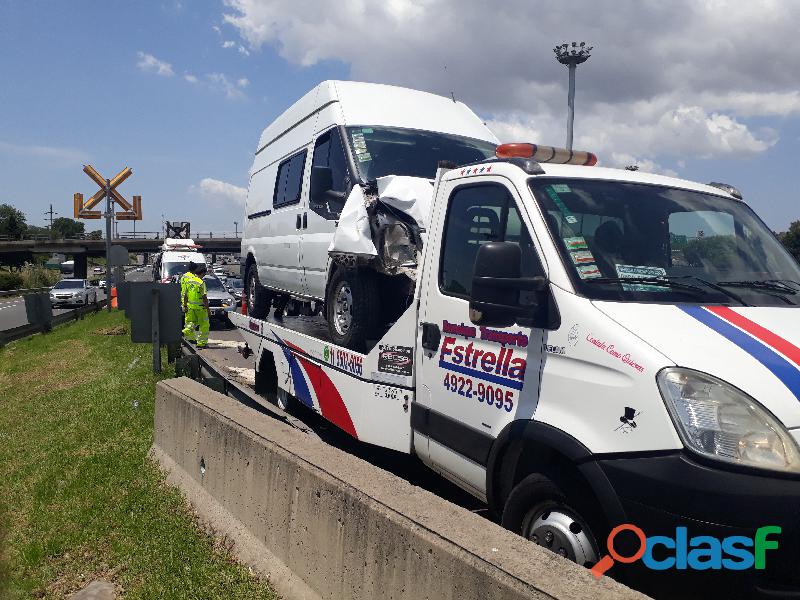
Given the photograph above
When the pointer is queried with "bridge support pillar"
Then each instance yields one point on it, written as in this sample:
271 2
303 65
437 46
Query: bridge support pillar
213 258
81 266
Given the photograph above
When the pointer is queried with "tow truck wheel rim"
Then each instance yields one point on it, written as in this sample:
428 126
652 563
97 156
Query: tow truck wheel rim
343 309
559 530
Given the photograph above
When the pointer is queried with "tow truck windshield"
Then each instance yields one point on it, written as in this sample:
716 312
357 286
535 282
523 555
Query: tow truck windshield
636 242
380 151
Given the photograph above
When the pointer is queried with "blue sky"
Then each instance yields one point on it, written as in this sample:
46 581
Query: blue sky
180 90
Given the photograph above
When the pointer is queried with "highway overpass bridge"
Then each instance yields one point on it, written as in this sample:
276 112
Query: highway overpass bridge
81 249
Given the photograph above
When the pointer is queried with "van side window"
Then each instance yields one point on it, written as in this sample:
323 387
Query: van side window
329 152
289 181
476 215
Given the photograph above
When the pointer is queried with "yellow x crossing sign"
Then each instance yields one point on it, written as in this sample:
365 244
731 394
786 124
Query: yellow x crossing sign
108 188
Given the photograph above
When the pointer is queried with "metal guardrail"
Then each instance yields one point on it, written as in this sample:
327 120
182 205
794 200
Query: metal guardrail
216 235
23 331
190 363
22 292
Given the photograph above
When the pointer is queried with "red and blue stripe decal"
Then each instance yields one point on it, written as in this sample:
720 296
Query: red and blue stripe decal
779 356
330 401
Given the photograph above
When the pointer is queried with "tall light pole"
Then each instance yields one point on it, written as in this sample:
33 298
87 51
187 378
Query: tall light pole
236 228
572 56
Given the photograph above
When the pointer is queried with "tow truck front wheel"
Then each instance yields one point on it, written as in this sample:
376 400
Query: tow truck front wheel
352 308
538 510
257 296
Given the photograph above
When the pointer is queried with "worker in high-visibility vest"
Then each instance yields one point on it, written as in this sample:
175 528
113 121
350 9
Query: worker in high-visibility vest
183 279
195 306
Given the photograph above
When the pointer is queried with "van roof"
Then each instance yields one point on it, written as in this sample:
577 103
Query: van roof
380 105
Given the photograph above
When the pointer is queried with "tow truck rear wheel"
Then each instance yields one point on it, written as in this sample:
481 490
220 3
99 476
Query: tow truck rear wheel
538 510
258 298
352 307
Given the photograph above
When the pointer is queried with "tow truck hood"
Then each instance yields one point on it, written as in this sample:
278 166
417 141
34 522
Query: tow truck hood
756 349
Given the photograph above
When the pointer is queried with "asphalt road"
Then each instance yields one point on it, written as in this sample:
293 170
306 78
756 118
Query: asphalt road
12 311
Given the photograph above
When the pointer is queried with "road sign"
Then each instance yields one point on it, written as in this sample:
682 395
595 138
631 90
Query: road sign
119 256
108 192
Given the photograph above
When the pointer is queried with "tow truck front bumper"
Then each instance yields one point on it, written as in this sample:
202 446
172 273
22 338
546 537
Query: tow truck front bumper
660 493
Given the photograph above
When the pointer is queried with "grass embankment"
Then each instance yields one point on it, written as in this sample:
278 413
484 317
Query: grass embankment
79 499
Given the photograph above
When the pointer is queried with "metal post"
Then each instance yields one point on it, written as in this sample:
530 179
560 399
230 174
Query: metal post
571 57
109 216
571 104
156 334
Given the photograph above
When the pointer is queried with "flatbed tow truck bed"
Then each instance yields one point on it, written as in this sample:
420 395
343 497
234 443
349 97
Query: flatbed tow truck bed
369 396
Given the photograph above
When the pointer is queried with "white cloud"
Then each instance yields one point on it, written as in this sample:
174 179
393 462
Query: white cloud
666 81
219 191
242 50
150 64
219 82
59 156
231 89
228 44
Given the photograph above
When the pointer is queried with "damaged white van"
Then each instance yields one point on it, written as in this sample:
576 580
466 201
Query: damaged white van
331 151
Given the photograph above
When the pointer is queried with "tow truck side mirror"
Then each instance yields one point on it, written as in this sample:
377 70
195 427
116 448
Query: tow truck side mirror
496 286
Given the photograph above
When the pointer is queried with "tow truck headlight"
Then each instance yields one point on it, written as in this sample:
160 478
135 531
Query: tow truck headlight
721 422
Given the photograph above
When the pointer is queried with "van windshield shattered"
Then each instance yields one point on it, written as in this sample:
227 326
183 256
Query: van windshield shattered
647 243
380 151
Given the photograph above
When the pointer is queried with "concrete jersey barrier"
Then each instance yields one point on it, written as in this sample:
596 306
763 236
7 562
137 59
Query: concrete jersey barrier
321 523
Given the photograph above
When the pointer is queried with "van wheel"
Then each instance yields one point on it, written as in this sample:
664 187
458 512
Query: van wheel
352 308
258 297
538 510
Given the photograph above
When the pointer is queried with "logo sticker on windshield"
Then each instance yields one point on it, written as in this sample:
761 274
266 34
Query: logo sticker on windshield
588 271
576 243
582 257
638 272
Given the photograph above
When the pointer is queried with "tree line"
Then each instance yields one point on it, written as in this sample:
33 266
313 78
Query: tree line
13 224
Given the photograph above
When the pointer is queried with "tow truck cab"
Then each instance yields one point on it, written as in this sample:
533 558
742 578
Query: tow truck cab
587 347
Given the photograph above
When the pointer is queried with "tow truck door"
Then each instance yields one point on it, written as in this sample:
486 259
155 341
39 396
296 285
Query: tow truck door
472 380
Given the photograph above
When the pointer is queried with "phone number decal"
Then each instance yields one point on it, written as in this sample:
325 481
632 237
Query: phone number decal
348 362
490 395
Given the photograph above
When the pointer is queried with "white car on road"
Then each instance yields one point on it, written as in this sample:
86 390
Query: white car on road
73 292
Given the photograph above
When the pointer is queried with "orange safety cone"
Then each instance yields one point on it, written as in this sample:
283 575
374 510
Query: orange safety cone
244 306
114 297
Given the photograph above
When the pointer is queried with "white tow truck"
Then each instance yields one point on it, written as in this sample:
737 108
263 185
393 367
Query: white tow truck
586 348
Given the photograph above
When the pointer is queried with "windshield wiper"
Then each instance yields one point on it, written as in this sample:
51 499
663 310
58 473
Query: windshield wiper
648 280
713 286
773 288
773 284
